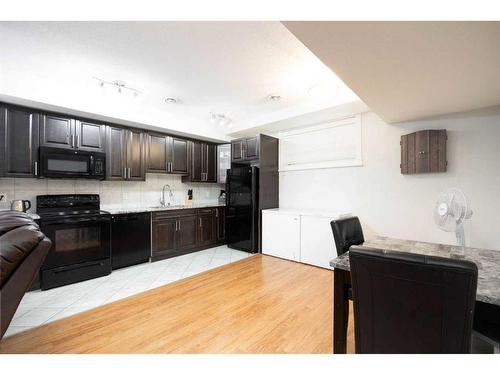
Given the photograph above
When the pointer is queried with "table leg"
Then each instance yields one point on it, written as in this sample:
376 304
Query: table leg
341 280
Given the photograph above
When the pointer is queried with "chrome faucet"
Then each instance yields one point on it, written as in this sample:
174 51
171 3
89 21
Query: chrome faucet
170 195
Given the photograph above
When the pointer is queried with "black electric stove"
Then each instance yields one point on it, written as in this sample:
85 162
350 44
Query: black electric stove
81 238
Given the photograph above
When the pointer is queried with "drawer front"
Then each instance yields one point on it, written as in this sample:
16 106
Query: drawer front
173 213
206 211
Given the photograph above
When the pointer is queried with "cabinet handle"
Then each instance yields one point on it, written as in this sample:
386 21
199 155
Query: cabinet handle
199 221
179 224
129 173
216 213
124 173
36 168
76 141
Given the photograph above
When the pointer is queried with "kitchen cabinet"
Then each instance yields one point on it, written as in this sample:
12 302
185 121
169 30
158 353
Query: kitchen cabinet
90 136
223 162
203 162
300 235
220 221
57 131
177 232
125 154
64 132
207 226
19 140
424 152
245 149
167 154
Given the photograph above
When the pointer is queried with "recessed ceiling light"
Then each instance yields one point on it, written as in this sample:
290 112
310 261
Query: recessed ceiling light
274 98
171 100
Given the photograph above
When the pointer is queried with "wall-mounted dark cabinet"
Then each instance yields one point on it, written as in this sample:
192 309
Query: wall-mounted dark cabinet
424 152
19 141
125 154
64 132
203 162
183 231
245 149
167 154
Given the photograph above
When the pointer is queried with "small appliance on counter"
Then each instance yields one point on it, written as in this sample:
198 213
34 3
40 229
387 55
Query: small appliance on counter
222 197
20 205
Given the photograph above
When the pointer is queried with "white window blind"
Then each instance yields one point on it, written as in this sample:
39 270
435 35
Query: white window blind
329 145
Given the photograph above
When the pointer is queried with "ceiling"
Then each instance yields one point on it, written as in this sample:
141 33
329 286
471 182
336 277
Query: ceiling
222 67
411 70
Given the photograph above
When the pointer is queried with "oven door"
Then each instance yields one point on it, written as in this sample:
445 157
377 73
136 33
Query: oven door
61 163
81 250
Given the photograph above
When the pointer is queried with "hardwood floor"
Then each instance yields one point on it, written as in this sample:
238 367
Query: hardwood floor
258 305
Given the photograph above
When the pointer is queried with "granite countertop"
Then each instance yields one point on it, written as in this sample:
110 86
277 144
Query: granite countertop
487 261
113 210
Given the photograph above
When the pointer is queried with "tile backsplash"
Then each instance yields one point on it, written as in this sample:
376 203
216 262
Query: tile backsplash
114 194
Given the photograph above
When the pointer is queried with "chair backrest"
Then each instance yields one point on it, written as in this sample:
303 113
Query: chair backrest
409 303
347 232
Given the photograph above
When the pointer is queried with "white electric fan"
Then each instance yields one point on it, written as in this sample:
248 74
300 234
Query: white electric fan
450 212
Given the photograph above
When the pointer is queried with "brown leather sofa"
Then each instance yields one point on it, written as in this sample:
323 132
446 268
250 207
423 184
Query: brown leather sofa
23 248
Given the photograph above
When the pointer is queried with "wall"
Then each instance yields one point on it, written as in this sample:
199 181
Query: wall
114 194
391 204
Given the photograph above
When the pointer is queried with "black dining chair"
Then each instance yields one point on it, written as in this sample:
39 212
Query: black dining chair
409 303
347 232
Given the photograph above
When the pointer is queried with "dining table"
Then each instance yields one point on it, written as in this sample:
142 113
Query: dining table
487 309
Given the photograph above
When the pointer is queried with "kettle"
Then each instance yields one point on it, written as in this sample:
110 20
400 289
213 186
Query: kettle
20 205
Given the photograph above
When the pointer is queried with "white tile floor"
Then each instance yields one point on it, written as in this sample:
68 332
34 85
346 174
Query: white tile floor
40 307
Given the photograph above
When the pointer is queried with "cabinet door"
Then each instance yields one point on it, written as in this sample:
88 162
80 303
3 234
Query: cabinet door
136 161
206 227
90 136
18 142
164 237
115 153
57 131
179 156
281 235
186 233
220 216
196 161
157 153
437 150
210 163
251 148
237 150
422 152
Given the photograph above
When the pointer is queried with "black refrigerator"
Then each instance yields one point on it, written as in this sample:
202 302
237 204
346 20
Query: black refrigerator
242 208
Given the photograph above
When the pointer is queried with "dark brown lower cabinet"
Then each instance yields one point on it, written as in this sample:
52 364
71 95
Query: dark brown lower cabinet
206 227
177 232
220 215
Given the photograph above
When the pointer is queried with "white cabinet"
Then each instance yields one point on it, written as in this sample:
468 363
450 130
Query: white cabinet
317 246
281 235
300 235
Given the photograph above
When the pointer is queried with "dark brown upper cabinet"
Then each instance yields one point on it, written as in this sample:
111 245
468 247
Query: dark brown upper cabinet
90 136
167 154
57 131
245 149
19 139
203 162
125 155
64 132
424 152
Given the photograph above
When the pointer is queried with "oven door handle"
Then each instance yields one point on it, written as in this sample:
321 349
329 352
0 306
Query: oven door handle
77 221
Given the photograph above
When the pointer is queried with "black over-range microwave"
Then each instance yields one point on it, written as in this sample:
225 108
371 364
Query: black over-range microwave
65 163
